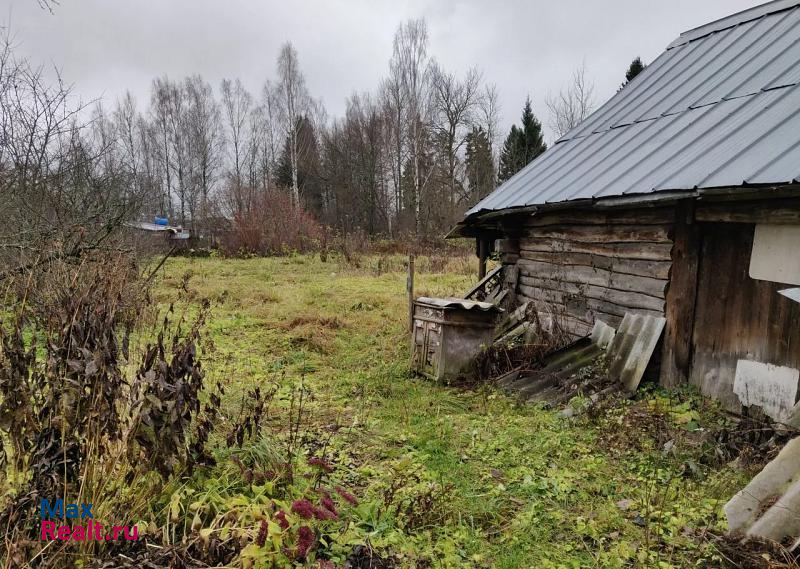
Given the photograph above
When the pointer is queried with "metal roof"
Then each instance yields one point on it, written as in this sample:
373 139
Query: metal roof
719 108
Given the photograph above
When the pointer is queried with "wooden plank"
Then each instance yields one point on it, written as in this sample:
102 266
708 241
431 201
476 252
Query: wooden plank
510 279
598 277
574 326
482 282
645 268
680 299
623 299
774 212
649 216
550 284
550 295
646 251
603 233
557 309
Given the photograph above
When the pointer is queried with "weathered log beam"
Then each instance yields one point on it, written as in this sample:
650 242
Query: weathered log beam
645 251
650 216
639 267
774 212
598 277
583 307
624 299
604 233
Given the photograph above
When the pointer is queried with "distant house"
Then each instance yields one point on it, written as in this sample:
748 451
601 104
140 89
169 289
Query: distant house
679 197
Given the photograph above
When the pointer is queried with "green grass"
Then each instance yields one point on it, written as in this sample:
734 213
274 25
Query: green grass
491 483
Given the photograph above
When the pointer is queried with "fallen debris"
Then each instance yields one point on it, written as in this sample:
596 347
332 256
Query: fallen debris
576 369
768 507
488 288
591 368
756 553
500 360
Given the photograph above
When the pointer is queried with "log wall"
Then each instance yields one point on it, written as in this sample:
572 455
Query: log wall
688 262
593 265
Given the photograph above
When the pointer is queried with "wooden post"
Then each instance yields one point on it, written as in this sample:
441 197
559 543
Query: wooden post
483 253
676 357
410 290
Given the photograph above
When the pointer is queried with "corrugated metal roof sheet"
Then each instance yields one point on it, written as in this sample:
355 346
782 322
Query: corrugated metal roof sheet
719 108
458 303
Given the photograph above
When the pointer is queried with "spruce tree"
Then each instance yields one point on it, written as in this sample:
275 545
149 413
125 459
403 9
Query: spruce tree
532 140
509 159
522 145
479 164
309 181
634 69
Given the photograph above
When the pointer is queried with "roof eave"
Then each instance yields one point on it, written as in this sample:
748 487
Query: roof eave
486 221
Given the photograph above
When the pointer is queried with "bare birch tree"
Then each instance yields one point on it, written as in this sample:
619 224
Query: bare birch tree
160 120
393 103
572 104
268 133
204 129
293 99
414 74
489 116
236 103
455 103
126 124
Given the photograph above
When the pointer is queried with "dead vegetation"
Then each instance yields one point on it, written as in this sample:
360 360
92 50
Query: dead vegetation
755 553
330 323
522 340
500 359
668 423
86 408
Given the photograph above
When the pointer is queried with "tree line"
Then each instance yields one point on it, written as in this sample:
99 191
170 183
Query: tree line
408 158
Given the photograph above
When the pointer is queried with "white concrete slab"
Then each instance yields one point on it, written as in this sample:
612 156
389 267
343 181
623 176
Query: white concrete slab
771 387
775 254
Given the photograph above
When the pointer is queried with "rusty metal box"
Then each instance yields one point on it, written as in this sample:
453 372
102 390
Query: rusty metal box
448 333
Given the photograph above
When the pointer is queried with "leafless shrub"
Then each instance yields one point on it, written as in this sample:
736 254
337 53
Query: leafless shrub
273 227
61 197
419 503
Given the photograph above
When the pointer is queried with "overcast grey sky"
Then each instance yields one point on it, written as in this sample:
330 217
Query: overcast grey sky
104 47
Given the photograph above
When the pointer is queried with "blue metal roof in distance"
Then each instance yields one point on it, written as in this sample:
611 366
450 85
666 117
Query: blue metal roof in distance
719 108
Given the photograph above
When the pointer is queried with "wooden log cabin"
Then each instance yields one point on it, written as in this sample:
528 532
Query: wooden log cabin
678 197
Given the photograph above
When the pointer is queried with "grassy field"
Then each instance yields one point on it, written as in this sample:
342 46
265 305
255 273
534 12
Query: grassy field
444 477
